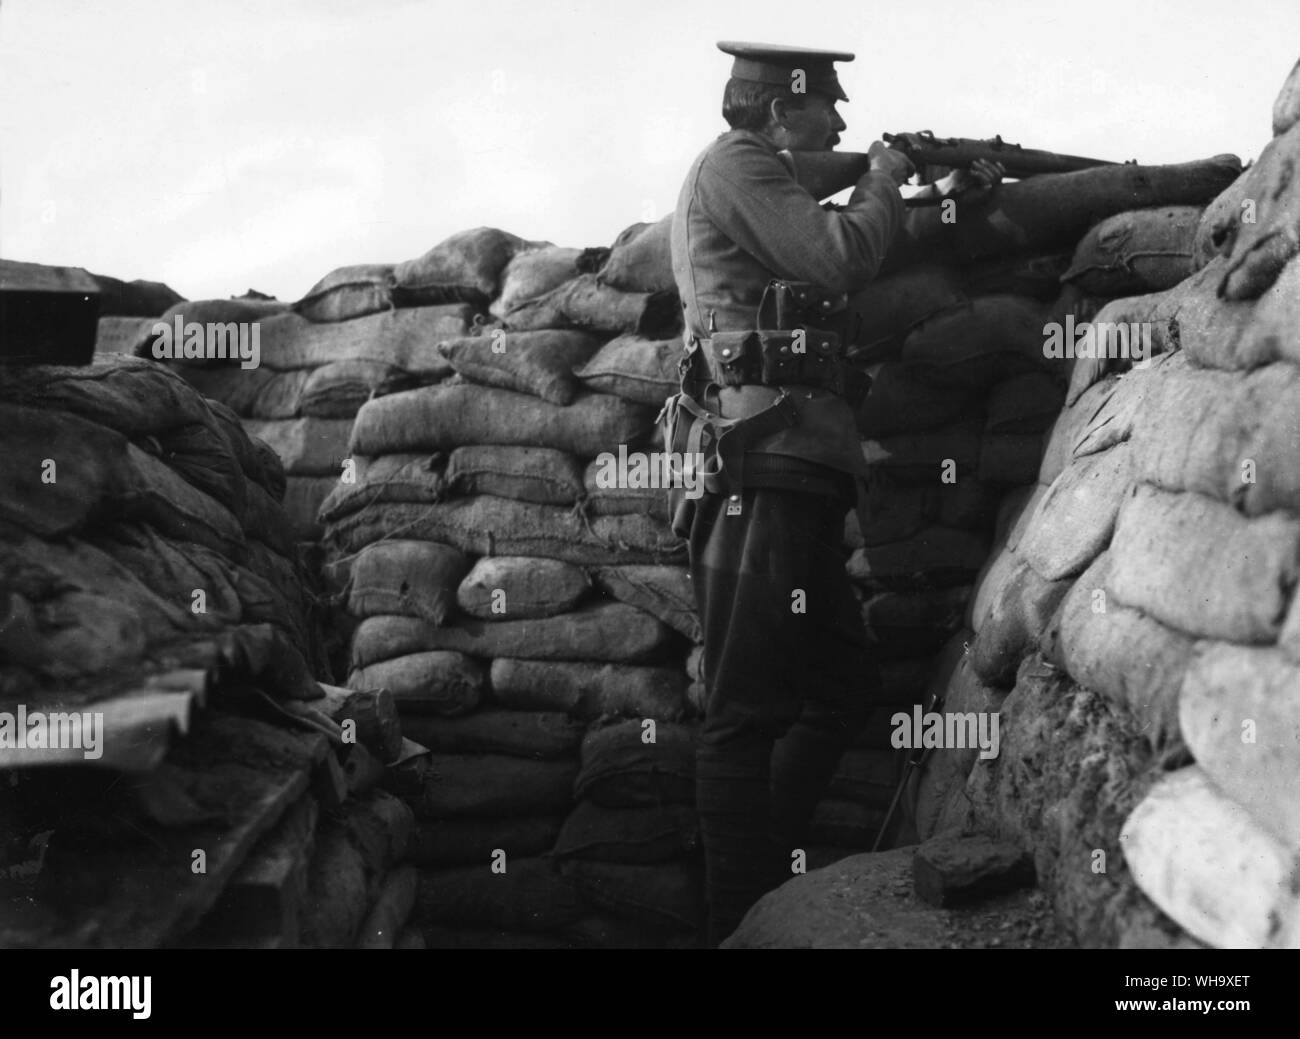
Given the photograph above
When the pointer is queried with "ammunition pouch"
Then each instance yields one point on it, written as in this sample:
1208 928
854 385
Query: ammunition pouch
712 448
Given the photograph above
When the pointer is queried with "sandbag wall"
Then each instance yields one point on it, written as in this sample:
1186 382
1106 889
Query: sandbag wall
170 764
317 362
1136 624
532 625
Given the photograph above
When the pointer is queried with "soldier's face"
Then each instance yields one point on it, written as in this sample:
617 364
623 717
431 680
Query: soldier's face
816 126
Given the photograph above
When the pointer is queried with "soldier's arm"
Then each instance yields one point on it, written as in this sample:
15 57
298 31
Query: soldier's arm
750 194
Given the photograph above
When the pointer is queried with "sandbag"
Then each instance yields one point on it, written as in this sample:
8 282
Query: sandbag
665 592
1200 566
118 335
1019 612
1026 403
1143 250
1009 458
1037 275
643 263
1123 654
460 786
585 303
1230 437
92 469
455 842
899 402
465 267
71 609
1217 229
589 690
335 906
135 299
948 452
1262 247
1286 106
410 578
486 525
153 406
531 274
306 446
621 769
390 478
205 311
338 389
447 416
1045 213
436 682
521 587
623 500
349 292
258 461
893 511
1016 513
539 362
537 474
520 734
631 835
662 895
883 312
1074 520
1215 332
529 896
914 622
636 369
390 911
1227 688
121 479
978 344
609 632
400 338
947 768
261 393
1180 843
1103 416
938 554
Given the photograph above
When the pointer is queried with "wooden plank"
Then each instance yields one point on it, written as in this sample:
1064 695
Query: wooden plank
262 906
147 894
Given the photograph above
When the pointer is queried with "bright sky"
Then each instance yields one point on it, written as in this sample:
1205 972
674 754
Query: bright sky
220 145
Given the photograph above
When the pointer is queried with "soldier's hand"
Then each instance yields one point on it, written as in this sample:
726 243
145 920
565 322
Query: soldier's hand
976 183
890 160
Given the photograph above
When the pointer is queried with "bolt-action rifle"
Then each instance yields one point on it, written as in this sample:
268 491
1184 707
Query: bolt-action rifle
823 173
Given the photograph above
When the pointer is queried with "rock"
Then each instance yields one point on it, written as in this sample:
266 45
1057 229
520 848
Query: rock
951 869
849 905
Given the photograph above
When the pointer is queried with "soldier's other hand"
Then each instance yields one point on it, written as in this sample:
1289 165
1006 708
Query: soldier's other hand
890 160
976 183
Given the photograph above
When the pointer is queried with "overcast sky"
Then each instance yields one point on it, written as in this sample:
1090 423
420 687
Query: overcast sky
220 145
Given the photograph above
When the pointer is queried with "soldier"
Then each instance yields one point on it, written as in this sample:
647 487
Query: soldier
763 271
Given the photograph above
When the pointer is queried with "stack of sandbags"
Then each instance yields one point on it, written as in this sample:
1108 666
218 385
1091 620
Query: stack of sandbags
307 380
1161 544
123 479
126 309
173 761
960 396
512 589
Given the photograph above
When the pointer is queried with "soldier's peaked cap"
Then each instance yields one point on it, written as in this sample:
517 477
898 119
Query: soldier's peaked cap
773 65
